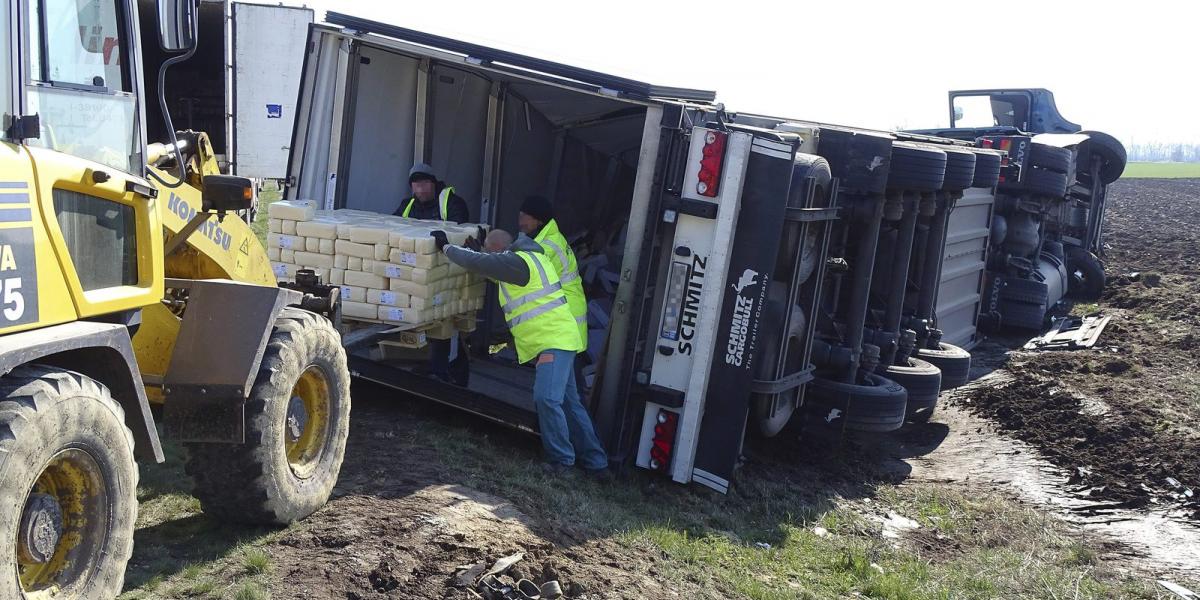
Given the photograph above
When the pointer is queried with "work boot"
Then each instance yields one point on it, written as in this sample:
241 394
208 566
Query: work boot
599 475
556 469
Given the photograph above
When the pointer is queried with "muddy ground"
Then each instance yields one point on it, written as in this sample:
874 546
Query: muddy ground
1083 503
1124 417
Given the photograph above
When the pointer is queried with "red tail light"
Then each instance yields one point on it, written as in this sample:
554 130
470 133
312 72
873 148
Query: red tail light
664 440
985 143
709 180
1005 145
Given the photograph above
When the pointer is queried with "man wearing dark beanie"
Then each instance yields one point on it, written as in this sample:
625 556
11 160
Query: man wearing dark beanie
435 201
432 199
536 220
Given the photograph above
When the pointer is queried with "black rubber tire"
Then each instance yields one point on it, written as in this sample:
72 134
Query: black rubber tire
916 167
875 406
952 361
859 159
254 482
1085 274
1046 183
1050 158
45 411
960 169
1113 153
766 425
922 381
1022 315
987 168
1015 289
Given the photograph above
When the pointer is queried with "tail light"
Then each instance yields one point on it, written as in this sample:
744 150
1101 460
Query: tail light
709 180
985 143
664 440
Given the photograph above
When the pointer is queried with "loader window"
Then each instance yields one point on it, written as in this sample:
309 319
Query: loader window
79 42
101 238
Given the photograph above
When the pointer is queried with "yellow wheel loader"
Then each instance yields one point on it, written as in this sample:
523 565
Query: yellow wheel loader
130 290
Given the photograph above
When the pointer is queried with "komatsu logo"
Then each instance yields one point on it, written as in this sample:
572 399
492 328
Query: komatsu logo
743 315
209 229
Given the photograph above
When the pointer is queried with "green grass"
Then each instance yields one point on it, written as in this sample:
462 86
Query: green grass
266 196
1165 170
257 562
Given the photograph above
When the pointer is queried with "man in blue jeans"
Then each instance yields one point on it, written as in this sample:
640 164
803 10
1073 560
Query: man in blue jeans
543 329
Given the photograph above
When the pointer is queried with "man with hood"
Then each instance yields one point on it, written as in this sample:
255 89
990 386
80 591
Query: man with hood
536 220
544 331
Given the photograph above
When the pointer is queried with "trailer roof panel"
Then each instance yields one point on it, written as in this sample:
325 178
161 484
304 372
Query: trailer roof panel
533 65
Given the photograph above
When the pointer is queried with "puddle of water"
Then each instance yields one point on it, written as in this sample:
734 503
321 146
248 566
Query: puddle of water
974 451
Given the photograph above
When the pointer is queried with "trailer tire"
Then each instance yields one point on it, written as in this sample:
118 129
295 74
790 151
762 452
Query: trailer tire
960 169
916 167
987 170
1113 153
297 422
768 425
1022 315
1085 274
69 477
859 159
922 382
877 405
952 361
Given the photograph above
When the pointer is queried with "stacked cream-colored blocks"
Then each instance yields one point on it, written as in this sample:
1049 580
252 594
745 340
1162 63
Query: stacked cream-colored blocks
389 267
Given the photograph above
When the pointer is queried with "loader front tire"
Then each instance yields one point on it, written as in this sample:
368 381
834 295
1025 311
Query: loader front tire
68 487
297 421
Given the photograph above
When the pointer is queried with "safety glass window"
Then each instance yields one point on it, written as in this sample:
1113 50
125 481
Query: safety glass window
79 43
101 238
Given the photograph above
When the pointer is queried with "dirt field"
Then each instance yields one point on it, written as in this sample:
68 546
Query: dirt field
1047 478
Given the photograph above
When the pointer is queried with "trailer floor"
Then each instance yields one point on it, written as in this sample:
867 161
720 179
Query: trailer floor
1045 478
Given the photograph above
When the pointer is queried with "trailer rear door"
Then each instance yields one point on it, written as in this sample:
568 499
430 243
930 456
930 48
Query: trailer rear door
268 55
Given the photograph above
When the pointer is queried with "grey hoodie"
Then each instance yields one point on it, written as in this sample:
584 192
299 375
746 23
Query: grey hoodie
501 266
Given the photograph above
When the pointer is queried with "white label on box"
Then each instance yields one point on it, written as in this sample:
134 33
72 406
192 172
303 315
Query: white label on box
439 299
408 258
280 270
393 314
346 291
285 242
393 271
387 297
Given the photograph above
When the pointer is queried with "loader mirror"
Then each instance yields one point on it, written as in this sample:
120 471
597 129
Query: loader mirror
224 193
177 25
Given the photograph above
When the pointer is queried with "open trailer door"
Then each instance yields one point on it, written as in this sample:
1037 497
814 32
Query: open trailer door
268 56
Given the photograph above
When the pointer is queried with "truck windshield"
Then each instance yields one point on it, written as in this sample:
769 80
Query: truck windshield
991 110
80 83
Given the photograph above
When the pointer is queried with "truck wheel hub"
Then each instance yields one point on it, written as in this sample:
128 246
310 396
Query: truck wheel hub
41 529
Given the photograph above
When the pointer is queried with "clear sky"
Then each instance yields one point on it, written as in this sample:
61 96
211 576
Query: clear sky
1129 68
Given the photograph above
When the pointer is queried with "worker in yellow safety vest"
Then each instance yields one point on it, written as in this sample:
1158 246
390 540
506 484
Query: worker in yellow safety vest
544 331
536 220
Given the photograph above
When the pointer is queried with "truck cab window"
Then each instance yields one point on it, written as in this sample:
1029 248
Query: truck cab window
79 81
973 111
1011 111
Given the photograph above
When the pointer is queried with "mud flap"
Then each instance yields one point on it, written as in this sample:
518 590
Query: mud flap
221 341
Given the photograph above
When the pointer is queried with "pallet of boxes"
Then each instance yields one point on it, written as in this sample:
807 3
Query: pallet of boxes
388 267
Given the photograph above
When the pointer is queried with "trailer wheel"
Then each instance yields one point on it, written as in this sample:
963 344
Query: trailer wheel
960 169
987 170
1113 153
876 405
68 501
858 158
952 361
923 382
916 167
1085 272
297 421
1022 315
786 403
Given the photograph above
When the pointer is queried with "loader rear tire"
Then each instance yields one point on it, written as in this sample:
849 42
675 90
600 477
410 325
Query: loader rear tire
297 421
68 487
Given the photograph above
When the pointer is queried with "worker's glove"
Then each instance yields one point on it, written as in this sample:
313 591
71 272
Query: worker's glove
480 233
439 238
474 244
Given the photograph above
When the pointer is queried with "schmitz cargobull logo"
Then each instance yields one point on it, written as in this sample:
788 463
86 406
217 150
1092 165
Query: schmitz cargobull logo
743 318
